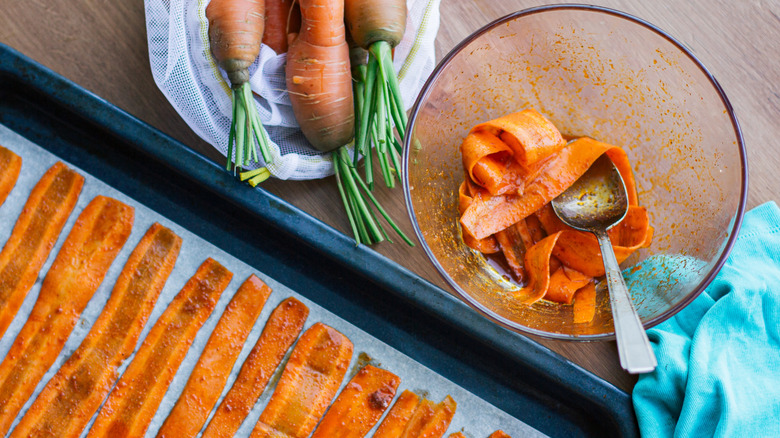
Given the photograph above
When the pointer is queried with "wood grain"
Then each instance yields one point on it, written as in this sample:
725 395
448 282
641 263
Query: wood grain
101 45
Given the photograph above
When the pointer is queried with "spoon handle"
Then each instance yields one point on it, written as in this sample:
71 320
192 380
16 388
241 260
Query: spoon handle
636 355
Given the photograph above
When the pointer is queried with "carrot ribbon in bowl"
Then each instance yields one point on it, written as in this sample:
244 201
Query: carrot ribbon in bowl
515 166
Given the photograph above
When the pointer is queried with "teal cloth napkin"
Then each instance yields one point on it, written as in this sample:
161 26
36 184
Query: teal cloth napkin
719 358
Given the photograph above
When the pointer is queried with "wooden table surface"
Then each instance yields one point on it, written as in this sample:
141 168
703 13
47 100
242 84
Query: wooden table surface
101 45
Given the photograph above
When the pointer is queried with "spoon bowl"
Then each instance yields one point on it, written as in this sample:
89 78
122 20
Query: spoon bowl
596 202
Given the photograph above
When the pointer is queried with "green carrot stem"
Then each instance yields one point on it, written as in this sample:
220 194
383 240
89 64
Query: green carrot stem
368 104
383 212
383 52
240 130
381 134
350 175
231 137
340 184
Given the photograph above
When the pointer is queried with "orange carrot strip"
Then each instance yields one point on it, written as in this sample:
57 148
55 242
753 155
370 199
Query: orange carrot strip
537 265
585 304
489 214
213 368
511 243
74 394
564 282
420 417
486 158
488 245
457 435
499 434
10 166
34 235
133 402
580 251
281 330
399 415
359 405
79 268
527 133
309 381
433 421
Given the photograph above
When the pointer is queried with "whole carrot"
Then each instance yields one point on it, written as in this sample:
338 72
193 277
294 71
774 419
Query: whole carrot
378 26
318 76
280 20
236 30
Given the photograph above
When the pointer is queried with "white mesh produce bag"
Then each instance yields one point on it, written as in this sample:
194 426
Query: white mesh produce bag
186 72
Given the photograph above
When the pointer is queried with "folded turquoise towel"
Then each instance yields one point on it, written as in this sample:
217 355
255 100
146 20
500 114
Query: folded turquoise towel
719 358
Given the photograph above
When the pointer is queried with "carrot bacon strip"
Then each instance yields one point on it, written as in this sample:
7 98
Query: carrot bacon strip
456 435
34 235
399 415
281 330
99 233
10 166
133 402
499 434
431 421
359 405
309 381
74 394
213 368
585 304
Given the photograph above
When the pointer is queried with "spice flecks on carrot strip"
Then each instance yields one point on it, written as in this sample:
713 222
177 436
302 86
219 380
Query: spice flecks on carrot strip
399 415
74 394
309 381
429 420
213 368
10 166
283 327
99 233
360 404
34 235
131 405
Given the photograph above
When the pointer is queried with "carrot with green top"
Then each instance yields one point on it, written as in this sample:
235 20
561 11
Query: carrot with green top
318 76
236 30
319 83
378 26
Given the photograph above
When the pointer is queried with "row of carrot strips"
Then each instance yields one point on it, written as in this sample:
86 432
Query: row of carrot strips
356 396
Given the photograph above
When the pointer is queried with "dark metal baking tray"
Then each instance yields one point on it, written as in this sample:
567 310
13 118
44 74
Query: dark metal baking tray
514 373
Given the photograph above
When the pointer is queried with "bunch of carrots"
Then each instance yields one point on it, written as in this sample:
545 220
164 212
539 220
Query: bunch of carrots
337 100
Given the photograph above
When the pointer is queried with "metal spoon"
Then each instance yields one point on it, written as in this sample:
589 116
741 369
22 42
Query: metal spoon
594 203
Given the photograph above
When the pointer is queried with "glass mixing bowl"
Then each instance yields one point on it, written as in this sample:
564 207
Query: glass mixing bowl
593 72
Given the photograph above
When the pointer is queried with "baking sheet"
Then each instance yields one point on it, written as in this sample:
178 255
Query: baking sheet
474 416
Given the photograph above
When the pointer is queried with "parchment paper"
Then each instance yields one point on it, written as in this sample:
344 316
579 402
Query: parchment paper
475 417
